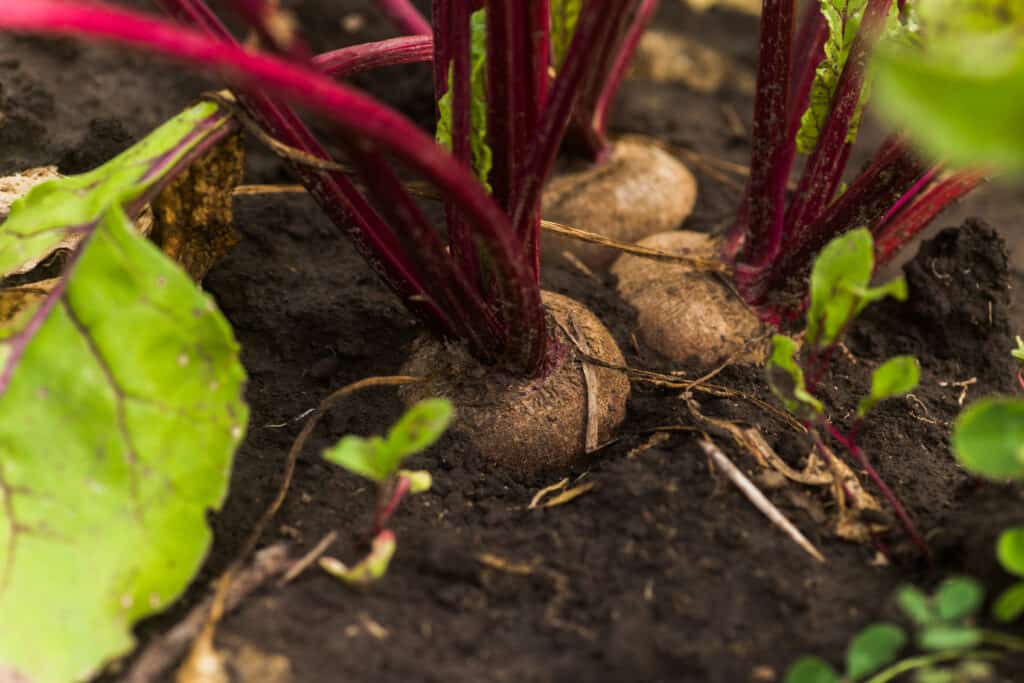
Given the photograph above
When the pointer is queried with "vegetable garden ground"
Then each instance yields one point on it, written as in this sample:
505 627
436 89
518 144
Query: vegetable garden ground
660 570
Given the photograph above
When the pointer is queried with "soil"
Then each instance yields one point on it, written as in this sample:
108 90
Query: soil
661 571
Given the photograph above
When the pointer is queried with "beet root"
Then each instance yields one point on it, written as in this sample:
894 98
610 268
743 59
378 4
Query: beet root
528 425
639 190
687 316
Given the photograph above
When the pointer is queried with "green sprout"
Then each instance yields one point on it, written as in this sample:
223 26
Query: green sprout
946 635
379 459
840 289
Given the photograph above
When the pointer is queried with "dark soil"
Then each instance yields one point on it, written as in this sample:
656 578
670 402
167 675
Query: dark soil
662 571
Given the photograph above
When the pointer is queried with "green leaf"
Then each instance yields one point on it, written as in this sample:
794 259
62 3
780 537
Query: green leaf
786 379
988 438
564 14
1009 606
1018 352
840 286
895 377
958 598
38 222
843 18
811 670
378 458
481 151
948 637
874 647
364 457
960 95
420 427
915 605
117 431
1010 550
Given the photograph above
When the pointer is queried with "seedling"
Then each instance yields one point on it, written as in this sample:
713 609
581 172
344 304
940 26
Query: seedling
379 460
988 440
840 289
945 634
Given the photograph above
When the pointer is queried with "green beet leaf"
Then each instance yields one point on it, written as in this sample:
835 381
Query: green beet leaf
786 379
896 377
958 598
420 427
481 151
915 605
38 221
936 637
1010 550
377 458
960 94
874 647
119 417
988 438
840 286
564 15
1018 352
1009 606
811 670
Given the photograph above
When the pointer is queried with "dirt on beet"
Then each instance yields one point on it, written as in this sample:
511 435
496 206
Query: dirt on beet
660 571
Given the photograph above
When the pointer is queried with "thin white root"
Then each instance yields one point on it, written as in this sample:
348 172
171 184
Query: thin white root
760 501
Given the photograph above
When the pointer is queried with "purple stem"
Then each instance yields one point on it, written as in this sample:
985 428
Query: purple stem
910 195
824 167
772 153
591 116
893 170
348 61
900 229
459 40
887 492
390 496
334 192
809 51
594 31
405 16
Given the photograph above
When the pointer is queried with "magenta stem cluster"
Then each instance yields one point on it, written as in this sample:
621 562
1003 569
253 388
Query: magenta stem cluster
481 285
776 236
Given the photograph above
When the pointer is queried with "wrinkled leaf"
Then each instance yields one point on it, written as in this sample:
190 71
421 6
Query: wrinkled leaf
948 637
895 377
420 427
840 286
786 379
364 457
873 648
958 598
117 428
811 670
1009 606
843 18
564 14
482 155
988 438
1010 550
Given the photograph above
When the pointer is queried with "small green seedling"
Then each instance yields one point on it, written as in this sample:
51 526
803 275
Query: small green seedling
988 440
379 459
840 289
948 641
1018 352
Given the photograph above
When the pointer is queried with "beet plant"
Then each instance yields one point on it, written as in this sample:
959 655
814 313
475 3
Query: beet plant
812 87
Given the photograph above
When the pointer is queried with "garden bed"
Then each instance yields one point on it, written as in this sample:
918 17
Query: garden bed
660 570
